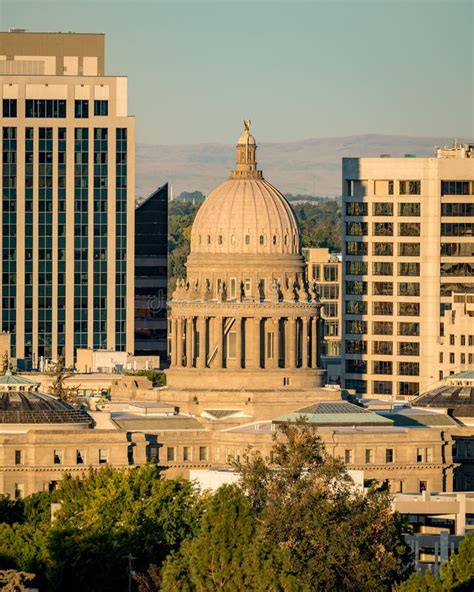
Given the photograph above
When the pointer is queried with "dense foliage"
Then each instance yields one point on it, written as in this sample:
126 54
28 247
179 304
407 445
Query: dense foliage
156 377
320 222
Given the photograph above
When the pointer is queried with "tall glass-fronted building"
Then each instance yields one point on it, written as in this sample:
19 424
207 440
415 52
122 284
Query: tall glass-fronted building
151 274
68 201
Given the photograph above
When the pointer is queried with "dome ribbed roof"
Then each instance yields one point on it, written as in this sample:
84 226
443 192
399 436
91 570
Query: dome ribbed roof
245 214
27 407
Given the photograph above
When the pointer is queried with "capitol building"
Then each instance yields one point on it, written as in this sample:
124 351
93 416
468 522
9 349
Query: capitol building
245 324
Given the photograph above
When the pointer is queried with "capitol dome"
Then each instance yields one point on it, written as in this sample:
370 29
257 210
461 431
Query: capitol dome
245 214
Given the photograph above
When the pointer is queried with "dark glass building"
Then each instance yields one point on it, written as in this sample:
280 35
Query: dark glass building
151 275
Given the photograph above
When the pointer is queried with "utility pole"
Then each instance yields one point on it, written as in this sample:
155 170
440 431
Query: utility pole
130 558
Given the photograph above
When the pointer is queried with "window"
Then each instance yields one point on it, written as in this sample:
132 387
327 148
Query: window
45 108
80 457
247 287
382 209
408 289
389 455
456 188
382 249
356 267
101 108
411 329
356 384
330 310
330 273
232 345
247 239
423 486
327 292
356 366
356 346
408 348
233 288
382 308
457 209
261 240
356 228
356 327
369 456
429 454
103 456
409 229
451 358
381 367
409 249
409 368
457 229
409 209
382 268
9 108
457 249
409 269
460 269
356 248
220 239
410 188
382 288
383 228
331 328
382 348
348 456
382 387
81 109
356 208
58 457
18 457
356 288
408 389
382 328
316 272
356 307
187 455
19 490
170 453
419 455
203 453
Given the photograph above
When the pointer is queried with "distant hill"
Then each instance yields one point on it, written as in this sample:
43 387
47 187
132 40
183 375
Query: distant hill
305 167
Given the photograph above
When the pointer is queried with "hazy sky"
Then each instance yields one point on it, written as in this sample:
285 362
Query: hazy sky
299 69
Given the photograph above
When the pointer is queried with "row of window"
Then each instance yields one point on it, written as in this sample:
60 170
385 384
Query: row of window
382 249
360 288
382 229
360 307
462 358
422 455
58 457
382 348
262 239
405 388
187 454
357 187
361 208
382 268
54 108
382 367
329 272
382 328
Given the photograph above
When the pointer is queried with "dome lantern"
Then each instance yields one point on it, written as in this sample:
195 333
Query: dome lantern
246 166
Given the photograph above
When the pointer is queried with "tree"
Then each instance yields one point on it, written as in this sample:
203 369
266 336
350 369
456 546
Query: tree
14 580
58 388
457 575
226 554
5 362
336 538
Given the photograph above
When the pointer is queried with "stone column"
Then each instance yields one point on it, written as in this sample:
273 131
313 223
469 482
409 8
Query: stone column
291 361
201 328
238 341
219 334
304 343
256 342
174 332
179 342
314 342
189 342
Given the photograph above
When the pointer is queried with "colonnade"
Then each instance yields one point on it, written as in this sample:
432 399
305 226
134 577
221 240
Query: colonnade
244 342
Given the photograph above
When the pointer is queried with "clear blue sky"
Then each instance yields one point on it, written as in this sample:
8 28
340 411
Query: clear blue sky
299 69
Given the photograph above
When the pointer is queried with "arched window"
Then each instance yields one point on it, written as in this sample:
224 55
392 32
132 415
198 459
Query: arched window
208 239
247 239
262 239
220 239
286 239
274 239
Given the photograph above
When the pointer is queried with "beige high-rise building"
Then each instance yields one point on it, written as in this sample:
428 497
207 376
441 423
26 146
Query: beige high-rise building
408 284
324 269
67 213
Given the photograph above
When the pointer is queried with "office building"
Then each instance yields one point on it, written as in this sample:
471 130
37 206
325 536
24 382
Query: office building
67 216
324 270
408 277
151 275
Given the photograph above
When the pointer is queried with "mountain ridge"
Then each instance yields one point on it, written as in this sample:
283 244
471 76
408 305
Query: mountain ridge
310 166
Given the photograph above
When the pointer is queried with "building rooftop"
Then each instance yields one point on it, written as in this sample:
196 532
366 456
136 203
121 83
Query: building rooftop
158 423
8 379
35 408
412 418
336 414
